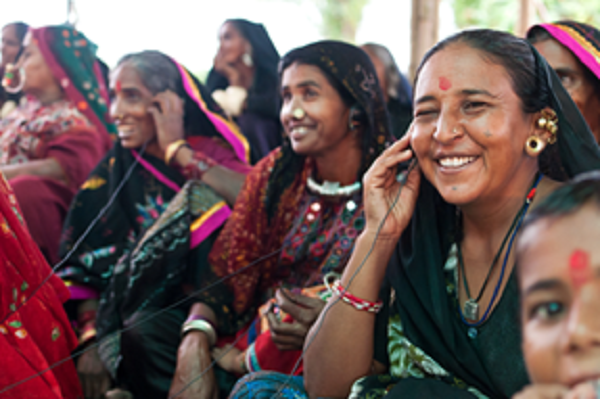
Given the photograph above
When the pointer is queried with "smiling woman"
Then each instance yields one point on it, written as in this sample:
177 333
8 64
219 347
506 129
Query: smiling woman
51 142
483 142
298 214
187 163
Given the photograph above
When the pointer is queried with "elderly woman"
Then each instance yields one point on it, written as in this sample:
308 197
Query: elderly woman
573 50
11 48
244 83
36 339
489 146
394 85
296 218
53 140
180 163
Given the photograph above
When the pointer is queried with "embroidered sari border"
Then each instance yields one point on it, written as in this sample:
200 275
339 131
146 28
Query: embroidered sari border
579 45
206 224
162 178
230 132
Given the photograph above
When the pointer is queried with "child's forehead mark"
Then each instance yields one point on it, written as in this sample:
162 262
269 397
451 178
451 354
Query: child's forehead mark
579 267
118 86
444 83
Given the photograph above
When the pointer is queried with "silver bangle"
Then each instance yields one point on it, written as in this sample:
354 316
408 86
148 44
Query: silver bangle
200 325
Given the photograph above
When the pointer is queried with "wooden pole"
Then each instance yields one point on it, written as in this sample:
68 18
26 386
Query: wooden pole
424 30
526 14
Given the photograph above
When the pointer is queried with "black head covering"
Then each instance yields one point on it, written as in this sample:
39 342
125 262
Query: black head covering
350 70
416 271
265 58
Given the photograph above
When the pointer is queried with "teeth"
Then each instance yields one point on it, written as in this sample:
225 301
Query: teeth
300 130
455 162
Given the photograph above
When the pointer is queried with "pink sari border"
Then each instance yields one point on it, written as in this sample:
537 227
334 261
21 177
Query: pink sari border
209 226
237 141
162 178
70 90
568 41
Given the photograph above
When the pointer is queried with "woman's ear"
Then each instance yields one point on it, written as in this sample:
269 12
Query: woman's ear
546 125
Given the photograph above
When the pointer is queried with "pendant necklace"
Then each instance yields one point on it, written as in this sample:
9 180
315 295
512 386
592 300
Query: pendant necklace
471 307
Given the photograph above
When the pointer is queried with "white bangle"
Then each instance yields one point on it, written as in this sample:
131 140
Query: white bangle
200 325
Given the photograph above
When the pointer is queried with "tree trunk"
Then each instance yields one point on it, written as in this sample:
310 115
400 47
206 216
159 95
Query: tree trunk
424 30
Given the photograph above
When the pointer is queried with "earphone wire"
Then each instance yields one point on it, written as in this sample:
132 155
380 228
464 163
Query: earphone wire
352 277
87 231
190 296
143 320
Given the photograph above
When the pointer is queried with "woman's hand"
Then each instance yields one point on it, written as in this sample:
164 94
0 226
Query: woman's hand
193 360
168 114
230 359
94 377
303 309
381 189
232 75
542 391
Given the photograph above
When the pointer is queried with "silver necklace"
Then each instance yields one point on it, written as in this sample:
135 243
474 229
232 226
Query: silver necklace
332 189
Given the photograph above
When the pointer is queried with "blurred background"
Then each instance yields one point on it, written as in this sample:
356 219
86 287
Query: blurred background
187 29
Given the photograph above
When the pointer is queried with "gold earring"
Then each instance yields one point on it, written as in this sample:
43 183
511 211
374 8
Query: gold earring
298 113
534 146
549 122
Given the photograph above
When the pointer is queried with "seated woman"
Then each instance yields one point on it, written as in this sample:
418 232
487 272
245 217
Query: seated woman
396 89
559 286
296 218
53 140
244 83
35 333
573 50
494 130
169 133
12 47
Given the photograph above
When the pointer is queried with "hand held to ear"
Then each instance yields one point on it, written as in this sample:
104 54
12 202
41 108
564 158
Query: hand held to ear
168 112
381 185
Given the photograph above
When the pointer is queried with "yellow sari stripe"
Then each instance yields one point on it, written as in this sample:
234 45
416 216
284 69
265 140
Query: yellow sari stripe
233 127
582 41
206 215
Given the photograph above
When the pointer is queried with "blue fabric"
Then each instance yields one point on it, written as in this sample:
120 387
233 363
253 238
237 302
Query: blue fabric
265 384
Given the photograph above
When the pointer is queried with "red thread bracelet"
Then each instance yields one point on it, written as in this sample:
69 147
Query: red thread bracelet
356 302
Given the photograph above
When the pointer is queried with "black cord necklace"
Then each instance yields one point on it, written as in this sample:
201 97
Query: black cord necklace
471 307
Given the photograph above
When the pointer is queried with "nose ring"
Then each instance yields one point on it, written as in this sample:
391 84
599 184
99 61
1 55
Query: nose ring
298 113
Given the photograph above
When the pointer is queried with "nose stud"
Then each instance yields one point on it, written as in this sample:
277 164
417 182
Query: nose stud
455 131
298 113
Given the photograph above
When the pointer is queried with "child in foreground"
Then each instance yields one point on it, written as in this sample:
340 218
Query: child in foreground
558 257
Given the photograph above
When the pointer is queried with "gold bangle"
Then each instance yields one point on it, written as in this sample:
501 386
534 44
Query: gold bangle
172 150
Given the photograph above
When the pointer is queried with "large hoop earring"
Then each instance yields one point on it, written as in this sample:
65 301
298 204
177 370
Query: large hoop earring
247 60
534 146
8 79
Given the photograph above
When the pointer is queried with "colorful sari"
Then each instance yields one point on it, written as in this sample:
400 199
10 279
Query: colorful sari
302 234
150 248
581 39
73 131
38 334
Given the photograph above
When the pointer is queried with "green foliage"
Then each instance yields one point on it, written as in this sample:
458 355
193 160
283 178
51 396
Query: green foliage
503 14
340 18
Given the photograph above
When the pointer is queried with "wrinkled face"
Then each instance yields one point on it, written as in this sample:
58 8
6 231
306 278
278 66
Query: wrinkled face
380 70
559 282
130 101
469 132
38 75
323 126
573 77
10 45
232 45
